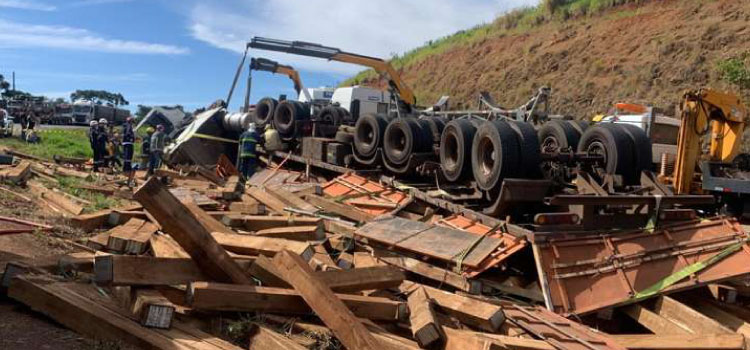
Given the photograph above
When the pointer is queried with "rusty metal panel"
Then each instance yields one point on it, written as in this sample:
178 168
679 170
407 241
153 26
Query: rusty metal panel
555 329
587 273
358 192
437 242
509 246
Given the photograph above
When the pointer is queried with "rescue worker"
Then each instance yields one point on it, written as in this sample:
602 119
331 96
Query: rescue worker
102 139
272 140
158 140
146 148
24 117
128 140
93 139
246 155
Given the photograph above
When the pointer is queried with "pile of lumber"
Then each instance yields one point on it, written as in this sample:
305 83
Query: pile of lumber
193 253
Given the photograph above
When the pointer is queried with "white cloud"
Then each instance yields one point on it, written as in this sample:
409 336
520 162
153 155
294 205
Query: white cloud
27 5
375 28
14 34
87 77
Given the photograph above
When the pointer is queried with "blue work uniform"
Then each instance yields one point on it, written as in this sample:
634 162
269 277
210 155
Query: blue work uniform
128 144
247 153
94 142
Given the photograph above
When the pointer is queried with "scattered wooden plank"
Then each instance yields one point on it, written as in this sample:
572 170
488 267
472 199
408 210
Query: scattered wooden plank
55 198
164 246
364 259
80 262
268 200
334 313
119 236
262 338
17 175
252 245
90 222
295 233
343 210
263 222
470 311
683 315
687 342
291 199
652 321
723 317
345 261
98 242
424 324
429 271
247 206
61 302
148 271
152 309
321 254
190 232
244 298
340 281
138 243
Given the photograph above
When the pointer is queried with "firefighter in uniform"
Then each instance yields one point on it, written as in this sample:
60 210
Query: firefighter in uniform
102 138
93 137
128 144
247 153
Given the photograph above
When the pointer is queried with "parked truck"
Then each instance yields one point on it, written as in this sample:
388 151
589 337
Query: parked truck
86 111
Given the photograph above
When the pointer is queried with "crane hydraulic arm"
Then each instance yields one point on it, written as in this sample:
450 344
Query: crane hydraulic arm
266 65
706 110
405 94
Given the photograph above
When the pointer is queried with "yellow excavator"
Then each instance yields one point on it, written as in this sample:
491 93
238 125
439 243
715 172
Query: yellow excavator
266 65
404 95
717 120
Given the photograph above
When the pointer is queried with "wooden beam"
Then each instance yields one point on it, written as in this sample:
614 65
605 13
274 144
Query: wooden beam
295 233
152 309
89 317
263 222
55 198
252 245
341 281
262 338
652 321
329 308
345 261
119 236
424 324
322 255
164 246
291 199
147 271
268 200
244 298
431 272
686 342
683 315
724 317
190 232
343 210
470 311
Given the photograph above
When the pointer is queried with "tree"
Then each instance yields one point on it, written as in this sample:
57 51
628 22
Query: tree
59 101
142 111
4 85
99 97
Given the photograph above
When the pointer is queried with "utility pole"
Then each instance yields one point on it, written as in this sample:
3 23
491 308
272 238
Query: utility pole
14 80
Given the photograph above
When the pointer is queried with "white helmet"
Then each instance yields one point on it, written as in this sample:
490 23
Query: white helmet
103 121
251 127
93 123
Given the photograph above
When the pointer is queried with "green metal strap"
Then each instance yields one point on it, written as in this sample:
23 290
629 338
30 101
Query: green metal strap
687 271
465 252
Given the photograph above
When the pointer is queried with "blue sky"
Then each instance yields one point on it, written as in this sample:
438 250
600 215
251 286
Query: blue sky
162 52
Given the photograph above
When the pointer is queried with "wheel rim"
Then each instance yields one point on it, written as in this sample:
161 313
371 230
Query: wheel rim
487 156
397 143
263 112
550 144
597 148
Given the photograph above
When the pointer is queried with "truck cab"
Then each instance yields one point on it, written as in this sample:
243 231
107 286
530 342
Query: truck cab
360 100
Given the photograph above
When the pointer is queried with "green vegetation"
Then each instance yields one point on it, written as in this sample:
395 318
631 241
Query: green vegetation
518 20
736 70
62 142
97 200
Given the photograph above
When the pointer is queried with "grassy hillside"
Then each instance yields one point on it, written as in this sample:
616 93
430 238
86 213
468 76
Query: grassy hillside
591 52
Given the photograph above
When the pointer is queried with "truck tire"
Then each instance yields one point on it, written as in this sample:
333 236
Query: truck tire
614 145
494 154
404 137
579 125
530 155
642 146
436 126
455 149
286 116
264 111
557 135
368 134
346 117
331 115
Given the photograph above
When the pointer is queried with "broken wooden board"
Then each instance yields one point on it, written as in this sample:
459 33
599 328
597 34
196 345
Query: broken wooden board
17 175
583 274
10 225
239 298
424 324
126 270
152 309
438 242
429 271
90 315
190 231
253 245
295 233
